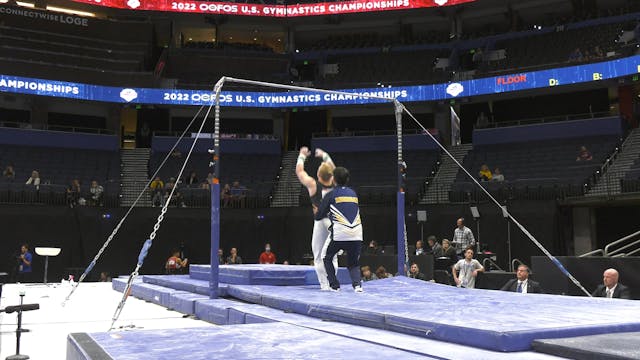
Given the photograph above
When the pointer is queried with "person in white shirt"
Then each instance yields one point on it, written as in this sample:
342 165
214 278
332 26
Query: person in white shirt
462 236
522 284
466 270
34 179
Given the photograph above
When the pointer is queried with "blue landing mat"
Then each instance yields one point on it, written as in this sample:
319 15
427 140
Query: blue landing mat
594 347
254 341
494 320
256 274
185 283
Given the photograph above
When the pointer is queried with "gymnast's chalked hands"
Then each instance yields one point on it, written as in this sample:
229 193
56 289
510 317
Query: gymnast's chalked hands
305 151
319 153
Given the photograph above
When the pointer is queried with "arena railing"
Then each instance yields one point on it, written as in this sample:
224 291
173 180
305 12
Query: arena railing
75 129
547 119
49 194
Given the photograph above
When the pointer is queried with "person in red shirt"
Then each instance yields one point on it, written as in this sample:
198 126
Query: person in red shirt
267 257
174 264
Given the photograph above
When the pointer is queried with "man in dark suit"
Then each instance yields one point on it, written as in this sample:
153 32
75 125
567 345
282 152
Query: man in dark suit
522 284
611 288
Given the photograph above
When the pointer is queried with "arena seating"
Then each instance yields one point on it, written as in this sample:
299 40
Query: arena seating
256 172
39 48
57 168
548 172
374 174
631 180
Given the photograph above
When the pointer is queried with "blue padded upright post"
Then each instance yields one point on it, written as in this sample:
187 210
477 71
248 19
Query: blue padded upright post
401 246
215 240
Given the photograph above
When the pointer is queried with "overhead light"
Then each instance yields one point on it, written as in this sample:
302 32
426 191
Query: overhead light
70 11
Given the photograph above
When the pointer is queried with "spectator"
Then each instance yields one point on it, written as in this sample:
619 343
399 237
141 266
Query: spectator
482 120
382 273
157 189
96 191
267 257
462 235
373 248
233 258
105 277
221 260
485 174
9 174
584 154
575 56
415 273
522 284
238 192
24 266
226 195
192 180
286 262
466 270
419 248
448 250
210 178
174 264
610 287
73 193
598 53
434 247
34 179
204 185
367 275
497 175
176 153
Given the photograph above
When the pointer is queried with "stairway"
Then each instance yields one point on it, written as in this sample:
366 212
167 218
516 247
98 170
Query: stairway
609 182
438 189
135 170
288 189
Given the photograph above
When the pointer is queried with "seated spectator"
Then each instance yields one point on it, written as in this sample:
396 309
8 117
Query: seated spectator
598 53
192 180
105 277
34 179
485 174
204 185
448 250
9 174
415 273
381 273
238 192
73 193
434 247
210 178
522 284
420 249
466 270
584 154
221 259
233 258
174 264
497 175
610 287
373 248
226 195
96 191
157 191
267 257
367 275
575 56
286 262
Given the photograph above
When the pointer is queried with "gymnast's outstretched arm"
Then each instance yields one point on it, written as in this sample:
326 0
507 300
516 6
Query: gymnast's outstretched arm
302 175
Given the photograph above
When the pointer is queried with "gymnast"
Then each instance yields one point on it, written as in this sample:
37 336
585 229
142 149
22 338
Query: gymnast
317 189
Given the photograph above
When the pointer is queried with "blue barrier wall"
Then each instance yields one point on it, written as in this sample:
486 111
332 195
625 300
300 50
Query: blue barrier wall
231 146
373 143
549 131
58 139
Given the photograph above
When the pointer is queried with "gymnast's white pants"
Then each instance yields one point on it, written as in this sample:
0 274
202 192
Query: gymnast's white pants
319 243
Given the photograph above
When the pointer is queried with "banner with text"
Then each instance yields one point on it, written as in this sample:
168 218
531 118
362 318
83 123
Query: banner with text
311 9
435 92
